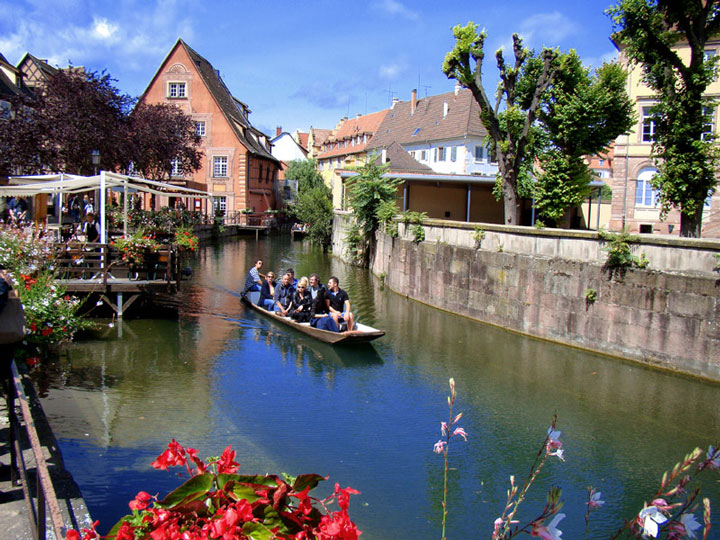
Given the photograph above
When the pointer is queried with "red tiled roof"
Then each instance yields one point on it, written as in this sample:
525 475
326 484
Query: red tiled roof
303 139
402 162
428 122
349 130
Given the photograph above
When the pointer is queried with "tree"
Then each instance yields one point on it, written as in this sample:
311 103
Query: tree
314 201
366 194
21 140
511 130
78 112
686 156
156 136
581 113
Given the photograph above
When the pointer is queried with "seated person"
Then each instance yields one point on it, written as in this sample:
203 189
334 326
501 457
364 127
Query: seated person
320 313
267 292
253 281
338 303
283 296
315 285
301 304
293 280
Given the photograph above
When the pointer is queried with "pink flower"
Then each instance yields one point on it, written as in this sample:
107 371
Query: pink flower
595 501
439 447
551 532
498 523
460 431
650 518
559 453
443 428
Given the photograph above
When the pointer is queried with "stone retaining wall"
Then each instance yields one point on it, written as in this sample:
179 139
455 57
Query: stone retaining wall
537 285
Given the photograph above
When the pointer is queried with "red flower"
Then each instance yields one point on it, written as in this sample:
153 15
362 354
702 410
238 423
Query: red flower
172 457
33 327
32 361
141 501
46 331
226 464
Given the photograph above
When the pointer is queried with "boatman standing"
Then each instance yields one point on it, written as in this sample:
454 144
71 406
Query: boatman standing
253 281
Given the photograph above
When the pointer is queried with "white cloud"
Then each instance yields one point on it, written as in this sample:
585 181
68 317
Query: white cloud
393 7
391 71
547 29
103 30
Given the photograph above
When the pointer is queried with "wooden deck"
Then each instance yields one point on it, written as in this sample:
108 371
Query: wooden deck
99 268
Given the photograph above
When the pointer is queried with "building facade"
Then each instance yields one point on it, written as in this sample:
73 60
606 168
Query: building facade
634 200
238 167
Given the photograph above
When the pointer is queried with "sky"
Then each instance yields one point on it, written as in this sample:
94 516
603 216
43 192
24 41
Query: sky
297 64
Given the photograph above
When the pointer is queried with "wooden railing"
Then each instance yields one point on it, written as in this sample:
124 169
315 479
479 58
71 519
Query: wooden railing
94 261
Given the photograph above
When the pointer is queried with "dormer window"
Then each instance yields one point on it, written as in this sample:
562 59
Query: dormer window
176 90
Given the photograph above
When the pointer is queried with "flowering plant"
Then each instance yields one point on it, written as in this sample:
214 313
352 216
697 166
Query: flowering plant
185 239
133 248
218 503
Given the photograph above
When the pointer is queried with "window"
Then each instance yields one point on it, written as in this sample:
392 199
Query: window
708 201
5 109
175 168
200 128
708 54
219 205
479 153
423 155
176 90
440 153
645 194
601 162
709 123
648 124
417 130
220 166
453 153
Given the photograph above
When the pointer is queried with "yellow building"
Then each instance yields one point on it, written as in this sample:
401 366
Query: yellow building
635 201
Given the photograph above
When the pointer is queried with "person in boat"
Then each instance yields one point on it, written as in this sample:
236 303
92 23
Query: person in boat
338 303
267 292
315 286
253 281
320 313
302 302
284 295
293 280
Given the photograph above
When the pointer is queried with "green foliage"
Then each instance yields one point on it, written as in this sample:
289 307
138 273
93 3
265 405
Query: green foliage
418 232
564 182
366 194
717 264
478 235
620 256
415 218
306 174
354 243
539 224
685 155
590 296
314 207
134 247
386 212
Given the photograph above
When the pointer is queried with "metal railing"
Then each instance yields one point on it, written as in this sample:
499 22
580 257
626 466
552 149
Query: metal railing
44 499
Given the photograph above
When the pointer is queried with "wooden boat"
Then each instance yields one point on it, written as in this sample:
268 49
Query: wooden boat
361 334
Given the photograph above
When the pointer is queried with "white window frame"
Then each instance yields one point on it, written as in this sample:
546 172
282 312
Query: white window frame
480 156
175 167
200 128
177 90
440 153
648 119
646 196
220 167
453 154
709 125
220 203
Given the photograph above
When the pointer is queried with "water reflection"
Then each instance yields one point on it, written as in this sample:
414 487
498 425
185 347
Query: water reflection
366 415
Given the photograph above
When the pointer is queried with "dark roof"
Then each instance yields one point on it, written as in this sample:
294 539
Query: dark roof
9 89
230 106
427 123
400 161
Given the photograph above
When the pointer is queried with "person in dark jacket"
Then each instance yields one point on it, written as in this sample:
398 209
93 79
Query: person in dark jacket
302 302
338 303
267 292
283 296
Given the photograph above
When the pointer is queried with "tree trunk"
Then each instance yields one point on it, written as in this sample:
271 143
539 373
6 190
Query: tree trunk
690 227
511 202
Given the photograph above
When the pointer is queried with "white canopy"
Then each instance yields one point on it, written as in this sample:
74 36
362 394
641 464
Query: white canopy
23 186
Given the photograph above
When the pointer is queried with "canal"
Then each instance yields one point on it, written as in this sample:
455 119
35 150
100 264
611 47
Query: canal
368 416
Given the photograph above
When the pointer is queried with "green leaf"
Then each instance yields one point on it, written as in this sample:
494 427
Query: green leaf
222 479
195 488
257 531
245 492
305 480
263 480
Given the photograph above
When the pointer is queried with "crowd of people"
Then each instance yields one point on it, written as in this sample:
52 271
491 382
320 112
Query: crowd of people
303 300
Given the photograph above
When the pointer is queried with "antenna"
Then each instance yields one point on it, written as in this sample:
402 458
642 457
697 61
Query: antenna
391 95
426 86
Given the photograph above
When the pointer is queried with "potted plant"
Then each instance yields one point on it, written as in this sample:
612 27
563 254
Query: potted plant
135 247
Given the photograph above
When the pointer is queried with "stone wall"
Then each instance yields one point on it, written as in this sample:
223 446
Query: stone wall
535 282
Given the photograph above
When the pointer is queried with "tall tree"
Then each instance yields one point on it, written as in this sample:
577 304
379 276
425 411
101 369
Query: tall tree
21 140
158 135
649 32
581 113
78 112
313 204
510 130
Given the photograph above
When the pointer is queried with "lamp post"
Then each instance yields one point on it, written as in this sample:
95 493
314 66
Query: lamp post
95 158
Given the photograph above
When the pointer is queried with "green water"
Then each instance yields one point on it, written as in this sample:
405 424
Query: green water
368 416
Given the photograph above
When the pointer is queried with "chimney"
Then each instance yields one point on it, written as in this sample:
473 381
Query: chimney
278 131
383 156
394 102
413 102
457 88
446 108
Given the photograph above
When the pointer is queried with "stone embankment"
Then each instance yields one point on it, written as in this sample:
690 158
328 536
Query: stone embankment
551 284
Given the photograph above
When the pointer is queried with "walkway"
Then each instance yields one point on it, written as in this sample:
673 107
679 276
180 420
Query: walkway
14 523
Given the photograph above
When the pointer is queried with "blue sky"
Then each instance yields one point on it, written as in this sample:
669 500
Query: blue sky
296 64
